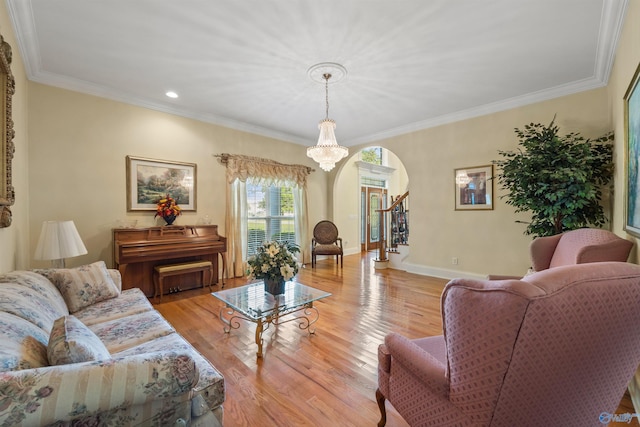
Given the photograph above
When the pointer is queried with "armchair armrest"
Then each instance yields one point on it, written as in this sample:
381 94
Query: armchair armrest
339 240
42 396
418 362
541 250
615 250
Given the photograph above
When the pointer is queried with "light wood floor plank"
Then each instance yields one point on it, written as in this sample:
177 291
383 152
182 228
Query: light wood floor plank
326 379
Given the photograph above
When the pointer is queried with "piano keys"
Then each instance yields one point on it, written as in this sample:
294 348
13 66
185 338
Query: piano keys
136 251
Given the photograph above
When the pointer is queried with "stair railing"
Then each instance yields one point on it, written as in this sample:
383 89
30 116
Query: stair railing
382 247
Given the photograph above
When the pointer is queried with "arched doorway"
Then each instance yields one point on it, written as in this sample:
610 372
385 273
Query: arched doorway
360 188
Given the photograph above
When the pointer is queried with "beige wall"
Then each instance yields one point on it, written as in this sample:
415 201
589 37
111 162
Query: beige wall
482 241
14 251
78 145
625 65
77 163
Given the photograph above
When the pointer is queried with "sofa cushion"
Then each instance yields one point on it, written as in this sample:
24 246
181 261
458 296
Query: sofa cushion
129 302
85 285
72 342
126 332
24 345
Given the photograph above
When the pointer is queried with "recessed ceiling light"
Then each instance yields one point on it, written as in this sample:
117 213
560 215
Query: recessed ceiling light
171 94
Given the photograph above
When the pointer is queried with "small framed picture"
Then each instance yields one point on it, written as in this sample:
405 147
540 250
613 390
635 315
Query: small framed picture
149 180
474 188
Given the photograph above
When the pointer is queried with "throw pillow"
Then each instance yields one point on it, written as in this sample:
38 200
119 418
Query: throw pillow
86 285
72 342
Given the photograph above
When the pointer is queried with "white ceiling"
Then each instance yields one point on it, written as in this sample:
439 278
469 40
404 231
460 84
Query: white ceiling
411 64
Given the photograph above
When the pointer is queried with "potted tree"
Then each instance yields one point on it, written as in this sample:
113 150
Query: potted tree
558 179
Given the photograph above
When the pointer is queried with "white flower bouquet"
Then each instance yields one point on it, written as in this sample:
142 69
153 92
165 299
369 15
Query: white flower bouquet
274 260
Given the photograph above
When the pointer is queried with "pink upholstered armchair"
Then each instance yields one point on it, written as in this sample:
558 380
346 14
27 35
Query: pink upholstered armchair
575 247
557 348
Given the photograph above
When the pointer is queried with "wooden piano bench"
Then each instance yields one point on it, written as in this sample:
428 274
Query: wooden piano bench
162 271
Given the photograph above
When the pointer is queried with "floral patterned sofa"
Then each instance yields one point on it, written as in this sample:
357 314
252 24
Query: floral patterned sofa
76 350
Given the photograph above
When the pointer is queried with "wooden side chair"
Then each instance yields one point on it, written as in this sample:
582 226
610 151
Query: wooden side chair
326 242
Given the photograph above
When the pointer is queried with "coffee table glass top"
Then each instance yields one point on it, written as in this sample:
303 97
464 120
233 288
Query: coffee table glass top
252 300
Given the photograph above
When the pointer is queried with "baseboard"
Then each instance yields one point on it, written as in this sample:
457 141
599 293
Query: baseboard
423 270
351 251
442 273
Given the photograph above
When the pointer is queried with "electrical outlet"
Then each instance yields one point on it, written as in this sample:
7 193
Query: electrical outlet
454 260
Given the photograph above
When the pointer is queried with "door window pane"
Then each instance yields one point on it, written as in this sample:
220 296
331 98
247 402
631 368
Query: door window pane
374 217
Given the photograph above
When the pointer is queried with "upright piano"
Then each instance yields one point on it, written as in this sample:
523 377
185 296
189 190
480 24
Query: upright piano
136 251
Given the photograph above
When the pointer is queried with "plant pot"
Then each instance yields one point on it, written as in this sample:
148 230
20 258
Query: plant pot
274 286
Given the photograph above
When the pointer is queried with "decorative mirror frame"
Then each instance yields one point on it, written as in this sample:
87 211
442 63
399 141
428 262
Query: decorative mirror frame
8 87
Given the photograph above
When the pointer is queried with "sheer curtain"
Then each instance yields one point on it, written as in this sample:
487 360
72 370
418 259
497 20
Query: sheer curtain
266 172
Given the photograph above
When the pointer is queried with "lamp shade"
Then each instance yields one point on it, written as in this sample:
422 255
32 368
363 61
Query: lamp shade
59 240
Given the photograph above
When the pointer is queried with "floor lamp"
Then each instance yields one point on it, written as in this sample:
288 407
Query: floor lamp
59 240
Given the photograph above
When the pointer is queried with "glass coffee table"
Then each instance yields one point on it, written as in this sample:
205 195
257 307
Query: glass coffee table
252 303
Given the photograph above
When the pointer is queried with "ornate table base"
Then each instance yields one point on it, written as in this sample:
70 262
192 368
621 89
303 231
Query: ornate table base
309 316
253 304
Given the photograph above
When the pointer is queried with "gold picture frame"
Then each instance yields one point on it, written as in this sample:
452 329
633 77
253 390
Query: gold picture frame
149 180
473 188
8 85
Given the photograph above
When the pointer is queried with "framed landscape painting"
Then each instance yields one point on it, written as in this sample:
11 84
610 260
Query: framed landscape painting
473 188
632 154
149 180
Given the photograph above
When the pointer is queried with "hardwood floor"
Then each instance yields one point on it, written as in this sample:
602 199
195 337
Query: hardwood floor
324 379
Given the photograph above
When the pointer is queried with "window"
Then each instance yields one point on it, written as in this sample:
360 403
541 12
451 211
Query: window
372 155
270 215
367 181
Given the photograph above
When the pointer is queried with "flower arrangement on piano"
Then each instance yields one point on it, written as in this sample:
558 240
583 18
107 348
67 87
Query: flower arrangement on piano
275 263
168 209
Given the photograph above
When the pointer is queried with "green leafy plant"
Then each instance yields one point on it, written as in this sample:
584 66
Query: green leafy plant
559 179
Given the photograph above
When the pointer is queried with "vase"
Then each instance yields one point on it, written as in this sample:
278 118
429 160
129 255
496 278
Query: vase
169 219
274 286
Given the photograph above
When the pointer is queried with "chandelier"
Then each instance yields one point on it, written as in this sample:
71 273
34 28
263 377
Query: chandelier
327 152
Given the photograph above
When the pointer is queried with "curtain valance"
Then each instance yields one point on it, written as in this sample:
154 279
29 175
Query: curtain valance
263 171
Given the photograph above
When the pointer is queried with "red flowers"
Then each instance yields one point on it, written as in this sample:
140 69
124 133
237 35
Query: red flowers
167 208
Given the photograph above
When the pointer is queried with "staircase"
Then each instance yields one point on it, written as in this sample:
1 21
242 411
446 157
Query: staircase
394 245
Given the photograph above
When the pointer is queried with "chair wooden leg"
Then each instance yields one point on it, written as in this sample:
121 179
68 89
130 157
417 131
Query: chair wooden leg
383 410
